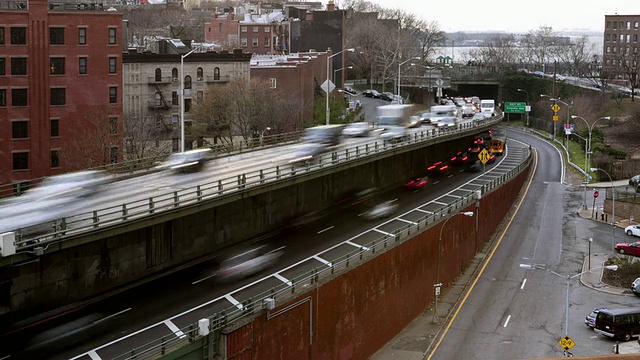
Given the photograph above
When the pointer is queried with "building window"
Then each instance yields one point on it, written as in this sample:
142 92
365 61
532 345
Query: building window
19 129
635 37
3 65
187 82
18 97
243 42
175 143
18 66
56 66
628 38
199 74
254 42
608 37
187 105
113 125
113 95
112 65
55 159
174 98
621 25
21 160
3 97
82 65
267 42
56 36
621 37
174 74
614 37
243 28
256 29
113 155
272 83
158 98
55 127
112 36
2 35
266 29
220 27
200 95
635 25
158 75
174 120
613 49
216 73
58 96
608 24
628 25
18 36
615 24
82 36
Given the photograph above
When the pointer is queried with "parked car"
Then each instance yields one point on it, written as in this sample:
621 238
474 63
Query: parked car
417 183
188 161
350 90
635 286
357 129
635 181
590 319
371 94
387 96
632 249
632 230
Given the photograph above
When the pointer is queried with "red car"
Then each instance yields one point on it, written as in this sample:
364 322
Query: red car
632 249
417 183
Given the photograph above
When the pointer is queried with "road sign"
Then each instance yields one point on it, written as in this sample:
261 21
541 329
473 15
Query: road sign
555 108
515 107
327 86
569 129
566 343
484 156
595 194
439 83
555 117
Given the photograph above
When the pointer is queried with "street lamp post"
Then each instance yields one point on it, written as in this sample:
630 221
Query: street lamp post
567 278
400 64
182 97
336 71
438 284
430 87
613 209
590 128
526 92
555 100
262 134
328 88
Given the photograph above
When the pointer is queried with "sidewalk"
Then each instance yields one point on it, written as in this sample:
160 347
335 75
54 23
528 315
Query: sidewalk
417 338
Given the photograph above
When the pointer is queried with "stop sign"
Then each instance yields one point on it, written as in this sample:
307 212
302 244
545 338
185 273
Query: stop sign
595 194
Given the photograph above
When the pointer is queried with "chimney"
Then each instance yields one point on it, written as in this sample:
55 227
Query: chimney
331 6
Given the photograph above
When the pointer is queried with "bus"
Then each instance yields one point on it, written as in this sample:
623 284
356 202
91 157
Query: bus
498 142
618 323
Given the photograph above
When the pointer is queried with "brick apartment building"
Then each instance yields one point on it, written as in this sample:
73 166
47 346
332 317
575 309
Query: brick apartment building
296 74
60 88
620 53
266 33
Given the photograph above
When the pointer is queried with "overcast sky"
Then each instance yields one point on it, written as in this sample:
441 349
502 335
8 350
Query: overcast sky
515 15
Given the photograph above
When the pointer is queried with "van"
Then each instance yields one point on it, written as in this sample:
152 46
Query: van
443 114
618 323
327 135
394 120
488 107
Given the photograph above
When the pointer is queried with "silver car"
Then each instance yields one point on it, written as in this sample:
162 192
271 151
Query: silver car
358 129
381 211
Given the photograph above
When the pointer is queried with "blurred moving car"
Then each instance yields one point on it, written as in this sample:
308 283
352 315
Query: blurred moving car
327 135
357 129
305 154
439 168
249 262
424 116
78 184
417 183
635 286
590 319
632 249
632 230
468 110
382 210
188 161
350 90
635 181
371 94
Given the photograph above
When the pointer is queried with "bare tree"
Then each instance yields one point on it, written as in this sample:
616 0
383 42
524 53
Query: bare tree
210 115
143 134
575 57
625 63
429 36
538 46
95 137
498 51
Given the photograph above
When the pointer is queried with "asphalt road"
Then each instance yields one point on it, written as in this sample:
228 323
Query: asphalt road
514 313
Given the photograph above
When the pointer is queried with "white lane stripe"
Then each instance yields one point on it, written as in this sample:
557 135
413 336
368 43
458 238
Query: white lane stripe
112 315
207 303
322 260
407 221
382 232
357 245
282 278
439 203
327 229
203 279
455 196
424 211
175 329
94 355
507 322
523 282
233 301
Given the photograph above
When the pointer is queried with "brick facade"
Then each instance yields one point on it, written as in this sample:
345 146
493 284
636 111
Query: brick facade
68 55
621 55
255 33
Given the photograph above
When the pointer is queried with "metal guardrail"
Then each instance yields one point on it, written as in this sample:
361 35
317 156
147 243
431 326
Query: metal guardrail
219 150
248 308
100 219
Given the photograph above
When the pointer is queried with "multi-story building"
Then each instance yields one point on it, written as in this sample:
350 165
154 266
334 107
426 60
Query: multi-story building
620 52
60 87
297 74
152 88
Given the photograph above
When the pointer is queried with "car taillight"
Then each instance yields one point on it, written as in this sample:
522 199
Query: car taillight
445 167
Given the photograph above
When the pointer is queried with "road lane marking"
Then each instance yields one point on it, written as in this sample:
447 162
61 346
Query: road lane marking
383 232
322 260
424 211
175 329
282 278
507 322
523 282
327 229
94 355
203 279
233 301
357 245
407 221
112 315
439 203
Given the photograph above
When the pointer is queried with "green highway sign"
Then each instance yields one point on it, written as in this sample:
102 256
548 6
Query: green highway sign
515 107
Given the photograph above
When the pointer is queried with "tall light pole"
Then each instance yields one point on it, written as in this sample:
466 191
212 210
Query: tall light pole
590 128
328 88
182 97
567 278
400 64
525 91
554 102
438 284
262 134
613 209
336 71
430 69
